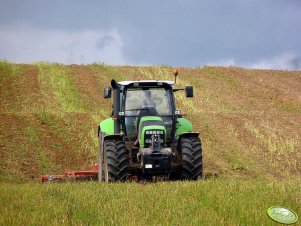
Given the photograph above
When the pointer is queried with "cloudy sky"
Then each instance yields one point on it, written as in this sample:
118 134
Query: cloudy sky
255 34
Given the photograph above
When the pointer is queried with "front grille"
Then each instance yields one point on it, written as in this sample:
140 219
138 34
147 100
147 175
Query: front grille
148 136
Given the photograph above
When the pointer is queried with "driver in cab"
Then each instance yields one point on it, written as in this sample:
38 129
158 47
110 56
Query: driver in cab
148 106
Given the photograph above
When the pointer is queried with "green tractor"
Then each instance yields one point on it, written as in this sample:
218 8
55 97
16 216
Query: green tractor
146 136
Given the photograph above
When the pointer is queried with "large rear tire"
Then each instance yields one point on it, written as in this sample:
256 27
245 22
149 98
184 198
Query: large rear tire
115 161
192 159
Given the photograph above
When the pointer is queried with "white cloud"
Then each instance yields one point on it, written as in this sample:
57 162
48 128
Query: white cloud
287 61
26 45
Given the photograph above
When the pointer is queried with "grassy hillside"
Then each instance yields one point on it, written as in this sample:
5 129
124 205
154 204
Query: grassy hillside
249 119
249 122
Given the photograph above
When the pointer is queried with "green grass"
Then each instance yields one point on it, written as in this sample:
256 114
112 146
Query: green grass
6 71
60 82
288 106
43 114
211 202
282 152
229 81
39 153
156 72
273 140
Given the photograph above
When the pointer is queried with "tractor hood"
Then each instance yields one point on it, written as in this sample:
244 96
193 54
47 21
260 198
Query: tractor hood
148 126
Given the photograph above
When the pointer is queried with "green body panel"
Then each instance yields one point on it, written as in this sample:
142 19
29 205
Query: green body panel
150 127
150 118
183 126
107 126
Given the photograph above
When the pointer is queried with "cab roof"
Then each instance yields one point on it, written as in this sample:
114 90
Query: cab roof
145 82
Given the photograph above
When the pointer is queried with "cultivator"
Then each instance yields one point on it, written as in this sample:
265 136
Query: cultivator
85 175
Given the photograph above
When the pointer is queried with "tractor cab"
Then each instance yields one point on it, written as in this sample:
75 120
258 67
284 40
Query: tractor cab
149 101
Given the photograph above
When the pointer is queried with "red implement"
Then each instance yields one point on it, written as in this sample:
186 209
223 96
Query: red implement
73 176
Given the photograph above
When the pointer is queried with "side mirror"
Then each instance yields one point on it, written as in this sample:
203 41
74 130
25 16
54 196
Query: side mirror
107 92
189 91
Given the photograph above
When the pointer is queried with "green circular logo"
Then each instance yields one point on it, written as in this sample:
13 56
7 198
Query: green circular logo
282 215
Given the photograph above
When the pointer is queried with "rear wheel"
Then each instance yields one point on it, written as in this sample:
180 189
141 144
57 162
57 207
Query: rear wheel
115 161
192 161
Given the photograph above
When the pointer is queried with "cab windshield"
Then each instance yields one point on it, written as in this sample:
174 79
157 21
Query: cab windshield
156 100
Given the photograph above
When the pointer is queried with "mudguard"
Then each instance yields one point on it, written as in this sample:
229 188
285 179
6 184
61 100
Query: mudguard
183 126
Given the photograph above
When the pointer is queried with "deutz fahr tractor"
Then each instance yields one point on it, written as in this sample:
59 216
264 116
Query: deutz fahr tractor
146 136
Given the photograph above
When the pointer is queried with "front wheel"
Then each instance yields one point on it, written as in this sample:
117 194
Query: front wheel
114 161
192 159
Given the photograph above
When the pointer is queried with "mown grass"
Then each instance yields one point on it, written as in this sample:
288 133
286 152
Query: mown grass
7 70
39 154
272 139
280 149
64 105
211 202
57 77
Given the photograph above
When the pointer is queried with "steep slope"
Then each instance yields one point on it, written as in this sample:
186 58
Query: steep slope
249 119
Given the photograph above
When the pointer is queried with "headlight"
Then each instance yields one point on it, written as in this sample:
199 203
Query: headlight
149 133
154 132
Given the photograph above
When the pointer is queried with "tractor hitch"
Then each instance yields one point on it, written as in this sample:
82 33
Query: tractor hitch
156 159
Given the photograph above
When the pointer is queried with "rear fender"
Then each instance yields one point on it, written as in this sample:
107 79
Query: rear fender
106 126
113 137
189 134
104 136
